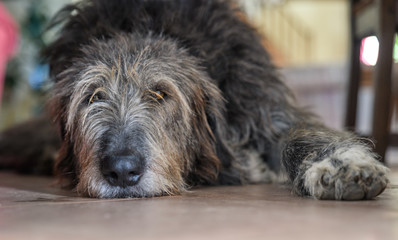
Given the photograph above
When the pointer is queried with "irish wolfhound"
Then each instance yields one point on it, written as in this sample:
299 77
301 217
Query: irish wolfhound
154 96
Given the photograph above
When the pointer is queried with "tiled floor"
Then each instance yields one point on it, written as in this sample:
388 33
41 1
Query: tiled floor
30 208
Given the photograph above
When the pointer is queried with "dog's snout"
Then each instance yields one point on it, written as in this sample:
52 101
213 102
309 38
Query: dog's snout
122 171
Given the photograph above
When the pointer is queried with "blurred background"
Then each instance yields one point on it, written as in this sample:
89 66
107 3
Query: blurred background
309 40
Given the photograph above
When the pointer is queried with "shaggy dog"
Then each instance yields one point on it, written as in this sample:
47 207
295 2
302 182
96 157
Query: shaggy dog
154 96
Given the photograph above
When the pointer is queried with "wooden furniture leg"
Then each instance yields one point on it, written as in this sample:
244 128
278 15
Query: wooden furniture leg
382 108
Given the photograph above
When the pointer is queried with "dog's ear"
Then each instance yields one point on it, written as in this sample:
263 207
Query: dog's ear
79 24
213 157
227 174
64 167
59 53
207 163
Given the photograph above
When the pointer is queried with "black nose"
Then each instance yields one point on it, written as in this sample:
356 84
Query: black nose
122 171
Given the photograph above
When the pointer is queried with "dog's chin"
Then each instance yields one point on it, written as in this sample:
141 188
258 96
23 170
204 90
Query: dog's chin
123 192
149 186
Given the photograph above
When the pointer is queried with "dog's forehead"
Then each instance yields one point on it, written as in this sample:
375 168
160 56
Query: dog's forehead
140 62
141 59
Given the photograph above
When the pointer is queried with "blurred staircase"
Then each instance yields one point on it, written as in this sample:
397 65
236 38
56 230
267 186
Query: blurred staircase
285 36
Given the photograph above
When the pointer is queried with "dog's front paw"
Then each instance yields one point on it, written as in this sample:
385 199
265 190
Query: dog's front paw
347 174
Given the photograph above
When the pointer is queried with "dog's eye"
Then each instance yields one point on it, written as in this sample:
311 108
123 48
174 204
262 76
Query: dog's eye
159 95
98 95
94 98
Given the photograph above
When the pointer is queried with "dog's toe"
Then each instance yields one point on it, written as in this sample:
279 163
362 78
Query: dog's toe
376 187
349 191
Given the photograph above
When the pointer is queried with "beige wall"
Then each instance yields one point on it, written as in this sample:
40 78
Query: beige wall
328 22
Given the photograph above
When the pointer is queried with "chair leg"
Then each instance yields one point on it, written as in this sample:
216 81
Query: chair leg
383 78
354 75
353 86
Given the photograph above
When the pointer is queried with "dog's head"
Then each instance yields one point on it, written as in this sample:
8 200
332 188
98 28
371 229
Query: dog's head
137 94
134 115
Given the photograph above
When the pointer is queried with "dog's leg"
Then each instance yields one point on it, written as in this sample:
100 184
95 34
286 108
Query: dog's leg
328 164
29 147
